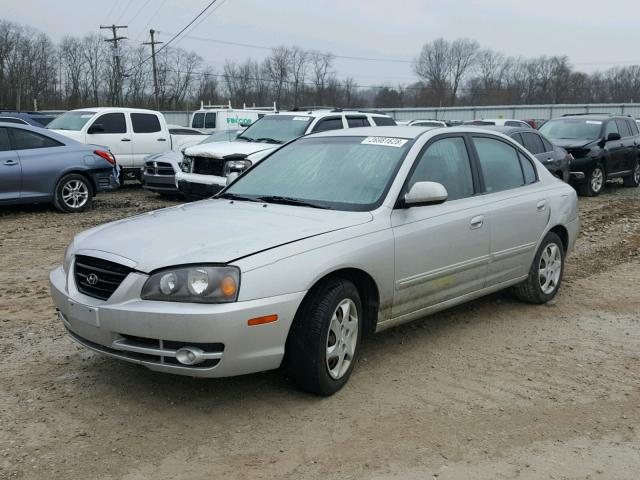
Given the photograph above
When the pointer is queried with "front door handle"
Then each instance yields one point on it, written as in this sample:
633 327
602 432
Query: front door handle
542 205
477 222
162 139
125 139
10 162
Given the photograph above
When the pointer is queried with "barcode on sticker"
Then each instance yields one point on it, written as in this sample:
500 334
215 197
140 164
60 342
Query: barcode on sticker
386 141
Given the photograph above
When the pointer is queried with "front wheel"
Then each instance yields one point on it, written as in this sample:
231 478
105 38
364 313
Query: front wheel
73 194
325 336
633 180
594 183
545 273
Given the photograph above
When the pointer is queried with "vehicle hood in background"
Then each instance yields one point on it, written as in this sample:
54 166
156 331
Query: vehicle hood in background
222 149
210 231
571 143
76 135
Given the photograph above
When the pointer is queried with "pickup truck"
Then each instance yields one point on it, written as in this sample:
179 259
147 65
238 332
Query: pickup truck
131 134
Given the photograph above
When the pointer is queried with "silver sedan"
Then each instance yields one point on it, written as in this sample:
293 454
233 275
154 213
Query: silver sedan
332 237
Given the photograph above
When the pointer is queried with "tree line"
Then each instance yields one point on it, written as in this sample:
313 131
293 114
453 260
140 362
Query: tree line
80 71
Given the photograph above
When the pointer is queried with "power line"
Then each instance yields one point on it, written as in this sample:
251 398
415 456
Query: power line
113 7
126 9
138 12
144 29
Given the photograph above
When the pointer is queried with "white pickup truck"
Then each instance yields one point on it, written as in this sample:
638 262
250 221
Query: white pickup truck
131 134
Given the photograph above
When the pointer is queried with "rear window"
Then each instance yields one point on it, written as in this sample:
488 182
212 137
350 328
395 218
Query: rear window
355 122
145 123
384 121
13 120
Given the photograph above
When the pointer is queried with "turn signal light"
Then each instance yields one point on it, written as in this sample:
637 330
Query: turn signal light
228 286
262 320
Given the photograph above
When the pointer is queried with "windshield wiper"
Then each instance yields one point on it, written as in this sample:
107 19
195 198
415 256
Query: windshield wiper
246 139
235 196
291 201
268 140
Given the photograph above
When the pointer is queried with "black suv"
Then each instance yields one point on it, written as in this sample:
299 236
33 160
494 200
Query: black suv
603 147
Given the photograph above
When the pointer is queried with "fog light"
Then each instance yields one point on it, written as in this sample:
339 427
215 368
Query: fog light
190 355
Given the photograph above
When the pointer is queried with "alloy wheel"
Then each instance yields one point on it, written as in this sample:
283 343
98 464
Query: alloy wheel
636 173
550 268
342 338
75 194
597 179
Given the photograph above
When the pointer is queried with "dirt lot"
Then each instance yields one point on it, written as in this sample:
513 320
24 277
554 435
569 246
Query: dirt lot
492 389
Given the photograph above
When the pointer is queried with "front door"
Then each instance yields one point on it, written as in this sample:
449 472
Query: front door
615 149
110 130
10 168
441 251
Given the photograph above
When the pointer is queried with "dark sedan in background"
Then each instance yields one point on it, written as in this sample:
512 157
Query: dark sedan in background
40 166
556 159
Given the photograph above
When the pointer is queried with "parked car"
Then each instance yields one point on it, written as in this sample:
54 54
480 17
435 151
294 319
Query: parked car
499 122
132 134
36 119
214 118
426 123
556 159
40 166
333 237
205 168
158 173
603 147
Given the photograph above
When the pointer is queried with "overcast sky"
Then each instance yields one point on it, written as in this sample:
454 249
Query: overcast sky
595 35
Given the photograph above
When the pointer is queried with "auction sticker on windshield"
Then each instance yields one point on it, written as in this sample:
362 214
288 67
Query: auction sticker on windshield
386 141
594 122
301 119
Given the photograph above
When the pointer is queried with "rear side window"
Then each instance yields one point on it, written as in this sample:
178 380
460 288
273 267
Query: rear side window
210 120
384 121
4 140
623 127
112 123
145 123
500 164
636 127
533 143
355 122
511 123
547 144
446 161
334 123
528 169
198 120
518 138
27 140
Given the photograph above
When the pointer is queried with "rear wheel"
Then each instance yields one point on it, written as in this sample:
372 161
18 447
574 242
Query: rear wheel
594 183
545 274
325 336
73 194
633 180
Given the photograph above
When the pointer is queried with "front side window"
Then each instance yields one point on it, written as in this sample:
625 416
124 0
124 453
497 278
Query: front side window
111 123
73 121
533 143
611 128
333 123
210 120
446 162
27 140
500 164
198 120
342 173
145 123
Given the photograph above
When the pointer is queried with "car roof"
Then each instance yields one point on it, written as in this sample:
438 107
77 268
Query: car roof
393 131
503 129
323 112
113 109
591 117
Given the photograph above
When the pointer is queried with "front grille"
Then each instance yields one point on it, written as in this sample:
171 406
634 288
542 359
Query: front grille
158 168
208 166
99 278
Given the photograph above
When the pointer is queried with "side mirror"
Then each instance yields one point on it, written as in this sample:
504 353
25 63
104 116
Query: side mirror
612 137
425 193
96 128
231 177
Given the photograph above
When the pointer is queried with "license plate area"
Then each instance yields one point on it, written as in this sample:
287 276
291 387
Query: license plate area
83 313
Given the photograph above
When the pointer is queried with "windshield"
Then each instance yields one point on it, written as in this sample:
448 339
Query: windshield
572 129
342 173
71 120
276 128
223 136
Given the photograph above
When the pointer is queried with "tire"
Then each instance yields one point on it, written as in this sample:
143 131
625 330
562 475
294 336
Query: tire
594 183
633 180
538 288
73 194
322 346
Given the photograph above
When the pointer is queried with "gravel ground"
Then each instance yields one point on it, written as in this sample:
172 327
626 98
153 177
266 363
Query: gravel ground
489 390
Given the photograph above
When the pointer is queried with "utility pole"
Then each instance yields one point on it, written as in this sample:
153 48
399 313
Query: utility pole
116 54
153 44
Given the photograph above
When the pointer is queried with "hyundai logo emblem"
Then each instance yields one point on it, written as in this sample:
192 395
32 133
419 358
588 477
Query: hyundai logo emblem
92 279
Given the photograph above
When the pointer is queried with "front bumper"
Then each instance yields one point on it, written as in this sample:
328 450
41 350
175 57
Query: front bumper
149 332
159 183
197 190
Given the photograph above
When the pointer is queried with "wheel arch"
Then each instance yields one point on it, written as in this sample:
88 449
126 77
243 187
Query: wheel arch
563 233
85 174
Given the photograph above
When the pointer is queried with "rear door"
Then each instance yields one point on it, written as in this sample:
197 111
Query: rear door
10 168
627 144
148 136
518 211
114 134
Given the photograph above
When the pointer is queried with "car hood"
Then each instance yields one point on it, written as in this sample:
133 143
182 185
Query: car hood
572 143
171 157
73 134
211 231
221 149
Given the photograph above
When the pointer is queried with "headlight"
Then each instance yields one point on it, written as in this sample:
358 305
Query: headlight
186 165
197 284
68 257
238 166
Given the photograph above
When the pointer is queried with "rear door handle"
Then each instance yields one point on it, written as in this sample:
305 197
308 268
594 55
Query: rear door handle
542 205
162 139
10 162
125 140
477 222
